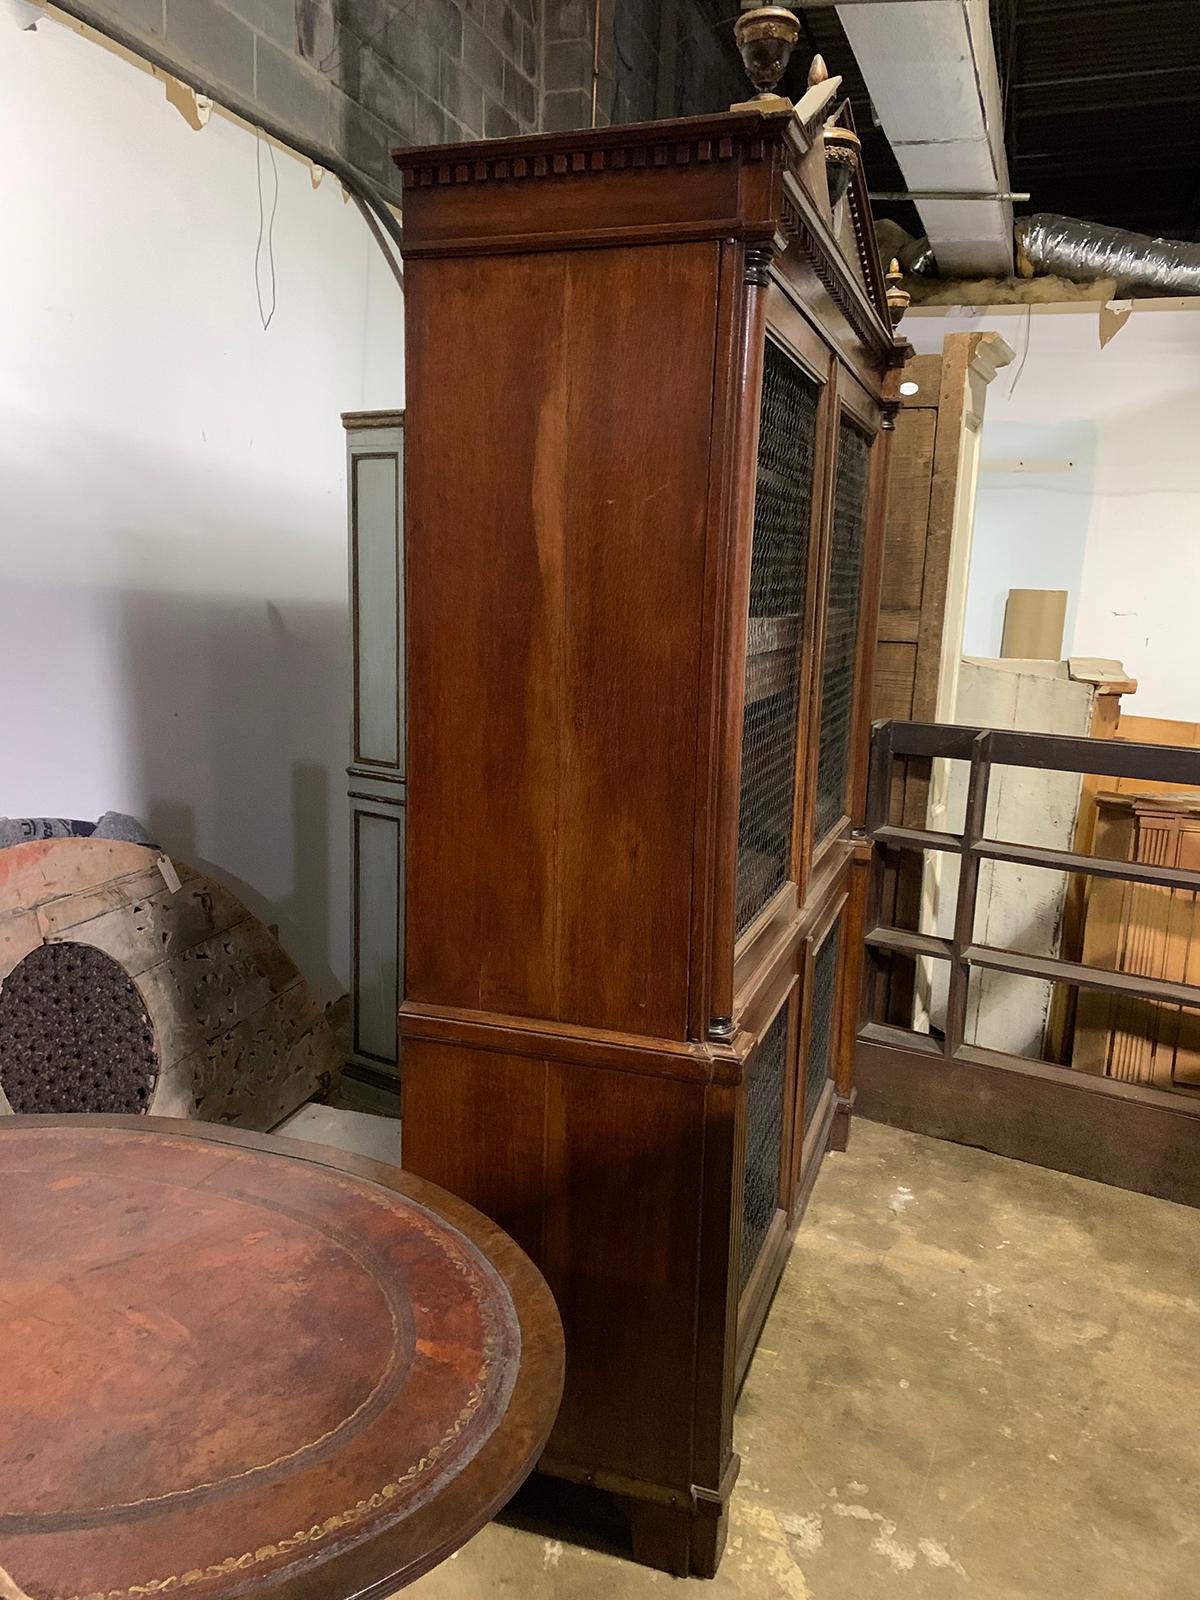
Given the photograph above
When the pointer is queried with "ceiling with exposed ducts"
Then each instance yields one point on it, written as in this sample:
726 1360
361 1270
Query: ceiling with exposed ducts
1101 106
1104 111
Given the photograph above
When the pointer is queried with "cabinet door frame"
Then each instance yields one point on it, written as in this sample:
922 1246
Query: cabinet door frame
754 1300
796 338
810 1137
378 767
854 407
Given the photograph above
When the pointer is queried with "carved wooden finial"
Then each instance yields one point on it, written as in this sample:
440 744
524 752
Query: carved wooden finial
898 297
818 72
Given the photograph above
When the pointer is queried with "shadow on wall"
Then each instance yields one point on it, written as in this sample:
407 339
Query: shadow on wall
179 642
238 712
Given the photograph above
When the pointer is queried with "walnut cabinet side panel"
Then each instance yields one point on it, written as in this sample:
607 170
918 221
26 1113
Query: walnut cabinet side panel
560 422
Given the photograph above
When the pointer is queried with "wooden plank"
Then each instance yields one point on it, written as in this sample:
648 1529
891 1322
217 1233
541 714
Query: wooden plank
905 532
893 683
915 944
1137 985
899 625
1113 758
908 509
929 532
1072 861
266 1064
43 868
926 372
919 839
141 932
944 491
1140 1139
19 934
968 881
1155 730
899 1038
1106 709
1143 929
1101 946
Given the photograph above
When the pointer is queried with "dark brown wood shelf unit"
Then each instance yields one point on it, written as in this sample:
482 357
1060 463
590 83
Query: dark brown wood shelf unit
646 417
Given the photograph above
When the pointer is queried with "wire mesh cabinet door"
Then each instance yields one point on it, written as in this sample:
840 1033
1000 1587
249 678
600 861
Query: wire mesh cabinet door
809 611
840 653
776 632
785 545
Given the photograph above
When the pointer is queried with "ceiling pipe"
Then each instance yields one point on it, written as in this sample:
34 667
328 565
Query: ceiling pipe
946 194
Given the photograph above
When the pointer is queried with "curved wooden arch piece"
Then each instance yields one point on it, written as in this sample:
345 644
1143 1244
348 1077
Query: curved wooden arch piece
239 1036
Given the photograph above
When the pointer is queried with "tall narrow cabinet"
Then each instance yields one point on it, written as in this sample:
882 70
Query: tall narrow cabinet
644 491
375 513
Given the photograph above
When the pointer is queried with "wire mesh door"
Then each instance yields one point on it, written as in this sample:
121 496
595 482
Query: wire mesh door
775 640
843 604
763 1182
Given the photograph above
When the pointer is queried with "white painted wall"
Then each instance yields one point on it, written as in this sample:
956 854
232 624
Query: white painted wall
1120 530
172 539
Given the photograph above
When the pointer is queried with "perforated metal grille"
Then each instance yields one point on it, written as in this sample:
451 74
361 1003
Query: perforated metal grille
778 570
820 1038
841 624
74 1034
764 1140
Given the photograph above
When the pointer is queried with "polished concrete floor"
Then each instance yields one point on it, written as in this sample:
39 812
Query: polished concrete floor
979 1379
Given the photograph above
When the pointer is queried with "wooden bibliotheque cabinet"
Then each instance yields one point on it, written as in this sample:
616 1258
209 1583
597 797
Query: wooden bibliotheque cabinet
644 481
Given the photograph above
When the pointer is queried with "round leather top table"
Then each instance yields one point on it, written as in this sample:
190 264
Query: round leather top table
232 1364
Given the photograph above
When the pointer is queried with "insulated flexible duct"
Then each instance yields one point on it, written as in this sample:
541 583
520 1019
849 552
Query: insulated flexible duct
1084 251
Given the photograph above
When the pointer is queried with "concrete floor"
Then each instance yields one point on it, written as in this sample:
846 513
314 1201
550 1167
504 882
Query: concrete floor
360 1131
978 1379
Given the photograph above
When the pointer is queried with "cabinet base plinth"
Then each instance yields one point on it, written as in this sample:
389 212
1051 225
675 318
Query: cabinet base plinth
684 1540
839 1132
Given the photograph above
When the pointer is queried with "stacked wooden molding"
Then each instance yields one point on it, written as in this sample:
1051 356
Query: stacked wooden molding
130 983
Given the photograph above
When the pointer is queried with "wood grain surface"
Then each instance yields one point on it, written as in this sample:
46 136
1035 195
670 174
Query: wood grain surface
548 648
235 1364
585 317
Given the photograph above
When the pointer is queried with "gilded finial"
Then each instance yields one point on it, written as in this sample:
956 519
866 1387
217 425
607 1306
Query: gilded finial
818 72
898 297
765 36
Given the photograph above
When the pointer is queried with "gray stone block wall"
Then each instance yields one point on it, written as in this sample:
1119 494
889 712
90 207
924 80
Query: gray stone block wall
364 76
358 76
707 74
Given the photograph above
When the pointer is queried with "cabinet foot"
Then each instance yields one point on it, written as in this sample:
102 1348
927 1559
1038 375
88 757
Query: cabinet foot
685 1541
839 1131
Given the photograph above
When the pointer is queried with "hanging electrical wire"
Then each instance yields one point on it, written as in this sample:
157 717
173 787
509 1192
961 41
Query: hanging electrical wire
265 316
367 196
